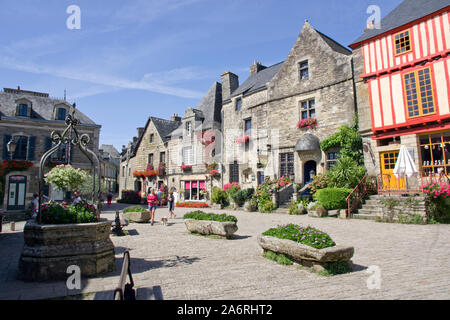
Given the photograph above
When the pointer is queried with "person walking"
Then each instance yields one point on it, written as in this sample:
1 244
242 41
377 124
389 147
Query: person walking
152 200
171 201
35 205
109 197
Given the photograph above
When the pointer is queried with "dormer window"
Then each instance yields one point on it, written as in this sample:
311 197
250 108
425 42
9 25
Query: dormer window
22 110
61 114
238 104
402 42
304 70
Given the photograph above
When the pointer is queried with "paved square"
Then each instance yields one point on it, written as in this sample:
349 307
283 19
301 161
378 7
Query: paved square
169 263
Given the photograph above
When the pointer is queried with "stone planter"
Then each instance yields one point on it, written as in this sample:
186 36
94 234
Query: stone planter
50 249
207 227
248 207
217 206
306 255
138 217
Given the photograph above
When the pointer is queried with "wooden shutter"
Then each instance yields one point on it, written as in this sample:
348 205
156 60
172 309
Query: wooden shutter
6 139
31 148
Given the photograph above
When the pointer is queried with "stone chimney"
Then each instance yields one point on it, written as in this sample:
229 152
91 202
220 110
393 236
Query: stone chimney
175 117
140 131
230 82
256 67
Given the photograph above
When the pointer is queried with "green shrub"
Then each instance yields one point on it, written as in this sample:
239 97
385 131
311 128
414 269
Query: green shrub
293 208
266 206
346 173
200 215
135 209
333 198
219 196
334 268
53 213
308 236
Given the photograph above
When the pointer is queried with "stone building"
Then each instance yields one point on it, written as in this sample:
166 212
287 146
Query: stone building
195 145
109 166
261 138
147 152
402 72
27 119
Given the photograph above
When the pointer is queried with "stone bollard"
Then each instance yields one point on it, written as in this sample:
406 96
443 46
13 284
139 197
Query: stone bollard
275 199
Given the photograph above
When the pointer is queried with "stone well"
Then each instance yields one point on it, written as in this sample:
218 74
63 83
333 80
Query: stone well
306 255
207 227
50 249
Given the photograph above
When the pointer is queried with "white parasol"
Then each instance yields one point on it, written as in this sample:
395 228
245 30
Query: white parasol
405 164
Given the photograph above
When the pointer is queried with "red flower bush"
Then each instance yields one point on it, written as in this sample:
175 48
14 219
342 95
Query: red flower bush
145 173
437 190
229 185
185 167
197 205
307 123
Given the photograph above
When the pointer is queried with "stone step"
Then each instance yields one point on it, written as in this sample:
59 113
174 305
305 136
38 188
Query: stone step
281 211
363 216
379 197
399 207
370 211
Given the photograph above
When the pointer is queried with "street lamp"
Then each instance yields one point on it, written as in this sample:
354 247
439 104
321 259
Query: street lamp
11 147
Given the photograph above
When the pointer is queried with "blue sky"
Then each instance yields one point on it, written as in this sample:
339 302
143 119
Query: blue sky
132 59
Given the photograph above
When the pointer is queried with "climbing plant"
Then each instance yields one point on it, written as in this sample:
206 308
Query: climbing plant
348 140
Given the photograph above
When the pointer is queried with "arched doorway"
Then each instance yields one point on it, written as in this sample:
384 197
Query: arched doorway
309 171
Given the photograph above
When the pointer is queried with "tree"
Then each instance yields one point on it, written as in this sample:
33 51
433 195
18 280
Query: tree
66 177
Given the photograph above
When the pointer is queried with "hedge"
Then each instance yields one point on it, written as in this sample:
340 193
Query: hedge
333 198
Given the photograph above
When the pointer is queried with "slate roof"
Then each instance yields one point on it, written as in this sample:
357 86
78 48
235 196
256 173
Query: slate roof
42 107
334 44
109 148
208 109
211 106
406 12
258 81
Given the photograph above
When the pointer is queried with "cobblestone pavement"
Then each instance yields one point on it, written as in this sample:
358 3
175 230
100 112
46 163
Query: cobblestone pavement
169 263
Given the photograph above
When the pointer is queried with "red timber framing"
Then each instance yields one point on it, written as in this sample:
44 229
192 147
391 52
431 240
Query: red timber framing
429 38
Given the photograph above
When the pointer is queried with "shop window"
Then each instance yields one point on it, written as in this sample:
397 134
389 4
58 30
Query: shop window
435 153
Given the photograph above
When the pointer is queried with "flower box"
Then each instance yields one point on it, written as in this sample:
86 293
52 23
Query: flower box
242 140
192 205
186 167
307 123
208 227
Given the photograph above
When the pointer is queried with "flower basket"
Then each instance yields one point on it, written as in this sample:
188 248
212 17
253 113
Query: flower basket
307 123
214 173
197 205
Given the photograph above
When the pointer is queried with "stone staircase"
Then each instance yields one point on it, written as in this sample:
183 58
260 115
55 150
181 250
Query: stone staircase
373 207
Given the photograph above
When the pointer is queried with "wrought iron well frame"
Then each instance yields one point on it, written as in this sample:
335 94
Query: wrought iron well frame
70 136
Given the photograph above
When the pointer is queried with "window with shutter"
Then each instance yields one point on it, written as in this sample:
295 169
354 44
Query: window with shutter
234 172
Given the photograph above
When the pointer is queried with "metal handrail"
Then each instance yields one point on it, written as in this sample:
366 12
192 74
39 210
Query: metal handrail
359 192
120 293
